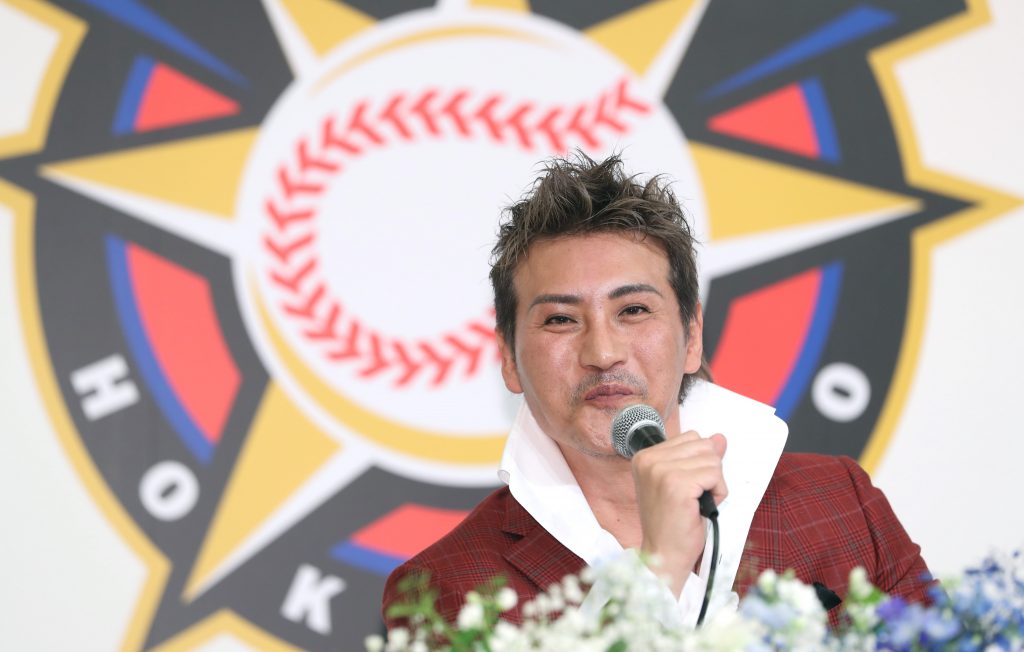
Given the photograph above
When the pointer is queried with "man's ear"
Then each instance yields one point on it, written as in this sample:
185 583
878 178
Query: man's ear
509 369
695 341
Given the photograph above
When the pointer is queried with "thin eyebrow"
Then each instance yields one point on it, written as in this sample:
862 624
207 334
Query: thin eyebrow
637 288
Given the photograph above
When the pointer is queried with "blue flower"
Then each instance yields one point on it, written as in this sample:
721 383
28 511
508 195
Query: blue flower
938 627
775 616
904 631
892 609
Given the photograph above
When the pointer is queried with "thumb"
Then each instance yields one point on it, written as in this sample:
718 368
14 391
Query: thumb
719 442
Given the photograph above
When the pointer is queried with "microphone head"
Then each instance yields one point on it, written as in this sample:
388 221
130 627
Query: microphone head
627 420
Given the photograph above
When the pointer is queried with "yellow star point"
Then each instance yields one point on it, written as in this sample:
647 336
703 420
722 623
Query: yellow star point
202 173
325 23
224 624
638 36
282 451
747 195
511 5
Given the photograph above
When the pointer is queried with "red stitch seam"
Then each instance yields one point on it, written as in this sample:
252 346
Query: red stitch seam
348 342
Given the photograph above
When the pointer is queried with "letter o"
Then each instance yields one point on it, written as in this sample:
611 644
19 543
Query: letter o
841 392
169 490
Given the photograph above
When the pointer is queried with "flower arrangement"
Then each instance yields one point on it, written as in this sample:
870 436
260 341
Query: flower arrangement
982 609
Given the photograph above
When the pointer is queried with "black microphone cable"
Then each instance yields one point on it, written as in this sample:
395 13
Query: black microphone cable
713 517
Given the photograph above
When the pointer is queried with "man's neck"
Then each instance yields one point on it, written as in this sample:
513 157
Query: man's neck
607 484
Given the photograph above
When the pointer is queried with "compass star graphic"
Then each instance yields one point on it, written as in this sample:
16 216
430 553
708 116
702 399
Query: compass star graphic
286 279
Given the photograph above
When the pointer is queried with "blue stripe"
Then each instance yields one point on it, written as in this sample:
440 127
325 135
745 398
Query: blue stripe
360 557
131 95
824 128
855 23
145 21
149 368
814 343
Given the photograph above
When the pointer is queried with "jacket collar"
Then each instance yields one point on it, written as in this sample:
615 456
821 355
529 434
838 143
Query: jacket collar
537 554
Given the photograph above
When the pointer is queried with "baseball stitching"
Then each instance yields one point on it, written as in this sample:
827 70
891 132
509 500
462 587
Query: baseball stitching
289 238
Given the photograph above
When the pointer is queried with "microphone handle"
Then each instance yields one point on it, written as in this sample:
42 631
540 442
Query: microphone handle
708 508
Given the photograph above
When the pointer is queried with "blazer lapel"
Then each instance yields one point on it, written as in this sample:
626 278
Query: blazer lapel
537 554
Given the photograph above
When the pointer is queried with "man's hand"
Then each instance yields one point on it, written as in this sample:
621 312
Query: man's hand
669 478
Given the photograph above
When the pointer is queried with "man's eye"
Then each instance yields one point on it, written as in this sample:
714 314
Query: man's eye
635 310
557 320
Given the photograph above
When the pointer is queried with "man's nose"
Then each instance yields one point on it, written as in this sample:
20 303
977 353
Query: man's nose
603 346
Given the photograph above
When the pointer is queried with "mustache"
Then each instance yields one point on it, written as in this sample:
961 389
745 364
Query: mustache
588 383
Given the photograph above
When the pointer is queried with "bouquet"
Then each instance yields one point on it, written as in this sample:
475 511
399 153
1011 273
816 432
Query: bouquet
981 609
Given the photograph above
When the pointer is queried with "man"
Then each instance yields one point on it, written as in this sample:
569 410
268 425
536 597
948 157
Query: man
597 308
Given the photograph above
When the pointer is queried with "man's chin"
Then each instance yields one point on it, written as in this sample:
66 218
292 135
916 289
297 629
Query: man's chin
598 443
590 448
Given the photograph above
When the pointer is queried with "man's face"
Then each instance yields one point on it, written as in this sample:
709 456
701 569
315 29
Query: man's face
597 329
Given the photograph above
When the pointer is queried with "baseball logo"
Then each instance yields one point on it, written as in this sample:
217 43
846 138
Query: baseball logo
411 357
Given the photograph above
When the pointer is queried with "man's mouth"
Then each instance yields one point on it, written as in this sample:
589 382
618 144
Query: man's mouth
605 392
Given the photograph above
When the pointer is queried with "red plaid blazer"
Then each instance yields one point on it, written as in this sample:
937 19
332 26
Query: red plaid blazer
820 516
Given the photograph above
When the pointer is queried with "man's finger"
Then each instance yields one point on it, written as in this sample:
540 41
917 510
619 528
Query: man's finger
689 435
720 443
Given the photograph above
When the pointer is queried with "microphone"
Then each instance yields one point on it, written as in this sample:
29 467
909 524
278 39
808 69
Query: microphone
637 427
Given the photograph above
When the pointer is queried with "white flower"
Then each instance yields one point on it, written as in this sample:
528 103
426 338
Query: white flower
767 581
506 599
725 631
544 604
398 639
555 601
572 589
554 592
588 575
530 609
860 586
373 643
471 616
508 638
802 597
